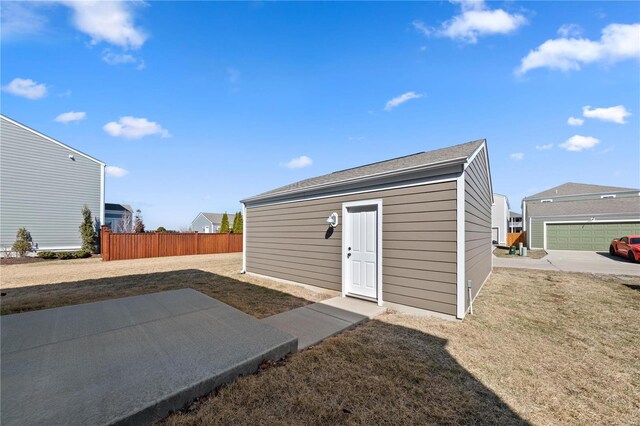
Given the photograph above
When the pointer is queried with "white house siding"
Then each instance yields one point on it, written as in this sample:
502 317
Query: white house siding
43 190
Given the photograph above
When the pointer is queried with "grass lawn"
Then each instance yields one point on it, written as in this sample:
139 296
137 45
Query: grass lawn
532 254
56 283
542 348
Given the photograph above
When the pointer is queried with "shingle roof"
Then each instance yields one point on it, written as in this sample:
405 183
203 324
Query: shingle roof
572 188
421 159
593 206
217 217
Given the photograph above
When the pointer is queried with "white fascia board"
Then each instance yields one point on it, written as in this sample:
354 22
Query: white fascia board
50 139
426 181
364 179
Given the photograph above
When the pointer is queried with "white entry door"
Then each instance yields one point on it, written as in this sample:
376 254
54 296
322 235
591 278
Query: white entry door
360 250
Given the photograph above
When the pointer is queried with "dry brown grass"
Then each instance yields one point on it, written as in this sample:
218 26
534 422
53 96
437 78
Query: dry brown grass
531 254
59 283
543 347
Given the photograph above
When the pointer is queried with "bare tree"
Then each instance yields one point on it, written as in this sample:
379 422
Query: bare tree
138 223
125 224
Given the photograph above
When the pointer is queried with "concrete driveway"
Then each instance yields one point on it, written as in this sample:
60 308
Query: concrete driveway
573 261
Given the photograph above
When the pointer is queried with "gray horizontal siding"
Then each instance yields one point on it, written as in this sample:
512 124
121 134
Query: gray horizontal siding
200 222
478 200
43 190
287 241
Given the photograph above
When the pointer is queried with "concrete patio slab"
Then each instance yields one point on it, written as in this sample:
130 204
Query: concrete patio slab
130 360
313 323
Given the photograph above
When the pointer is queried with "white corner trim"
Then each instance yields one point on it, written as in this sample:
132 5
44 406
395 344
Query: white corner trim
102 208
460 248
50 139
244 238
345 231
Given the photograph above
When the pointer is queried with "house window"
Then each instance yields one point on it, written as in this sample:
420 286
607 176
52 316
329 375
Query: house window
548 200
608 196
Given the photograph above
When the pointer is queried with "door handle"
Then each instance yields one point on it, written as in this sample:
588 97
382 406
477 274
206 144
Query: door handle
348 255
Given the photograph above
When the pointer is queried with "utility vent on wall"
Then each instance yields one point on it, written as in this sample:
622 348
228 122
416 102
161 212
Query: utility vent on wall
608 196
547 201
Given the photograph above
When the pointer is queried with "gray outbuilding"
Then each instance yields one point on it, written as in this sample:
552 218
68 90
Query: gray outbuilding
44 185
411 233
577 216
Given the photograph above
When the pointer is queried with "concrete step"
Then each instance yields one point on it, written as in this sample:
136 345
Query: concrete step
313 323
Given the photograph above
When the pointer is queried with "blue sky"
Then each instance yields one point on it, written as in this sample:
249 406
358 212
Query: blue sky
197 105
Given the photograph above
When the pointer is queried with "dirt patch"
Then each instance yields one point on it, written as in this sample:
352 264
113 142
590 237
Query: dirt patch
21 260
531 254
60 283
543 348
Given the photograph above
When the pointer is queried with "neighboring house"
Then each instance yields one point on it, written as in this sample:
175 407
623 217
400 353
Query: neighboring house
431 211
113 214
515 222
499 219
576 216
44 185
209 223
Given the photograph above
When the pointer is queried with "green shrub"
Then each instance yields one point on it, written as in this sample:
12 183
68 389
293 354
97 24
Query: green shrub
161 229
82 254
66 255
87 232
22 245
47 254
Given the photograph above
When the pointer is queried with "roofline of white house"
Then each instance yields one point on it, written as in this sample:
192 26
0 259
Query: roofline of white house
396 172
625 191
50 139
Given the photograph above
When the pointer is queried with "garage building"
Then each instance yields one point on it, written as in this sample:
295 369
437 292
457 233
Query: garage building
576 216
412 232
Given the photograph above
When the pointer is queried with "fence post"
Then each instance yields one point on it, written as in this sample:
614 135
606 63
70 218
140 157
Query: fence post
229 242
104 242
197 248
154 244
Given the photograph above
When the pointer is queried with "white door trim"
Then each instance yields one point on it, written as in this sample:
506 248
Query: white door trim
346 230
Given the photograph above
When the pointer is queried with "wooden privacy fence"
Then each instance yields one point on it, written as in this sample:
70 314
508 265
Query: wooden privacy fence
138 246
513 238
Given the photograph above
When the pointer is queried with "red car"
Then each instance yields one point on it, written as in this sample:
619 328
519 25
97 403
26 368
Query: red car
628 247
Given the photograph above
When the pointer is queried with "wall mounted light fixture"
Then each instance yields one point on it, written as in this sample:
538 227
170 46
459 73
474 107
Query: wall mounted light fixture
332 220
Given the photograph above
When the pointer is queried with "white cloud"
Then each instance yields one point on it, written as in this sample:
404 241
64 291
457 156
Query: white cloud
68 117
19 18
615 114
134 128
298 162
573 121
421 27
399 100
475 20
578 143
356 138
544 147
115 171
108 21
517 156
618 42
570 30
26 88
115 58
